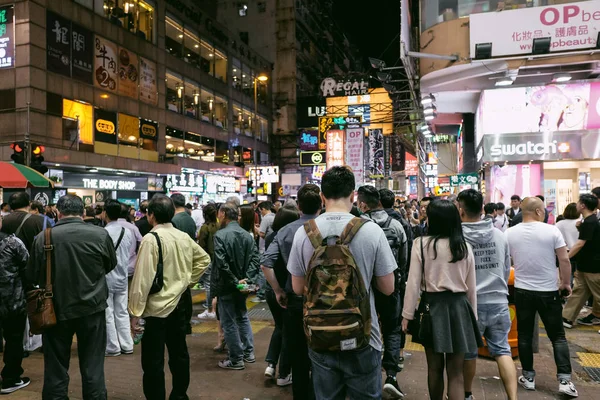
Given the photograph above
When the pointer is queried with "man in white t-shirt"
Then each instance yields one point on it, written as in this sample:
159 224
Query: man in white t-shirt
534 247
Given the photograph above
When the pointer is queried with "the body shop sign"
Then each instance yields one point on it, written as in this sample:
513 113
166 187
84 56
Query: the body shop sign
104 182
570 26
7 37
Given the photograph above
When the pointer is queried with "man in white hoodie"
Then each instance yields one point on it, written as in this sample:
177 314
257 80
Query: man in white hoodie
492 266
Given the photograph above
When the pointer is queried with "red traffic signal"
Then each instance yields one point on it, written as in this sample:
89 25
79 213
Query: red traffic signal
17 147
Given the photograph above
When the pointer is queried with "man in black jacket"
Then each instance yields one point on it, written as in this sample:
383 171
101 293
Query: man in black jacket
82 256
20 222
235 254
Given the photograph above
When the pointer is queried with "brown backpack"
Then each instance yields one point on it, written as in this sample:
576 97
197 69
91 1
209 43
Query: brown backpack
337 305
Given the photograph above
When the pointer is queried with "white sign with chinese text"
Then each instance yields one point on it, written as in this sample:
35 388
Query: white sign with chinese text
355 153
335 148
570 26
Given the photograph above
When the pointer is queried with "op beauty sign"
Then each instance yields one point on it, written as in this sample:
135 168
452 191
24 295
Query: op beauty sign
569 26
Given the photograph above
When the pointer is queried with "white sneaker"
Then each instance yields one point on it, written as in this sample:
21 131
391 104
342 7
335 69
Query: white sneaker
285 381
567 387
207 315
527 383
270 371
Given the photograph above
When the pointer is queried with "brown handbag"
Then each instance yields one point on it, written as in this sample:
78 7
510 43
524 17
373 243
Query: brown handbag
40 305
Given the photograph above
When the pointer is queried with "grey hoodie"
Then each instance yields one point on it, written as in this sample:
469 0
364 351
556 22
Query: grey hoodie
380 217
492 261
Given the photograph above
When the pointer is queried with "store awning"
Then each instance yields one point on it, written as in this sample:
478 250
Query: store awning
17 176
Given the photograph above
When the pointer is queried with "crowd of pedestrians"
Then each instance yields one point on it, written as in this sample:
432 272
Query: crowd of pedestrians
346 275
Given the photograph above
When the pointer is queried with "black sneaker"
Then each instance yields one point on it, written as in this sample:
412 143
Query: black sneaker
567 324
589 320
392 389
6 388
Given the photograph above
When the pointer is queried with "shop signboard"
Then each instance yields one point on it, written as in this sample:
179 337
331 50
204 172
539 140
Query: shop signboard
128 73
41 195
376 163
552 108
105 126
312 158
129 128
355 153
148 129
411 165
570 26
397 150
58 42
7 36
464 179
331 87
573 145
264 174
84 113
362 110
148 88
309 140
82 55
308 111
104 182
106 64
339 123
335 148
185 182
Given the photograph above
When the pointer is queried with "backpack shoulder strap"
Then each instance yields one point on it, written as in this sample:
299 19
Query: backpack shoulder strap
351 230
313 233
25 218
387 223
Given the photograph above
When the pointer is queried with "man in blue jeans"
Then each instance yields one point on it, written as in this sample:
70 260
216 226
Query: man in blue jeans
492 266
355 372
534 247
235 254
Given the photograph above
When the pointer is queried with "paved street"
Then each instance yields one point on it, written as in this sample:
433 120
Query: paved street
124 375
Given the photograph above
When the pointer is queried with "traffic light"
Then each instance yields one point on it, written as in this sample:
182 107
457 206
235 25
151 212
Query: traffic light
250 186
18 155
37 158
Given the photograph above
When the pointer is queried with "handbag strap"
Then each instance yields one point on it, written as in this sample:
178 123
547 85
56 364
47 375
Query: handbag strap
21 225
423 280
120 239
48 248
160 254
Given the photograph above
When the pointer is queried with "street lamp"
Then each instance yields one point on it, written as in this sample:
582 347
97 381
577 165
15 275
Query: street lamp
262 77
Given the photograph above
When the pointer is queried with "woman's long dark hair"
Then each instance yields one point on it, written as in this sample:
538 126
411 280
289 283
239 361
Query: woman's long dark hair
444 223
247 218
284 216
210 214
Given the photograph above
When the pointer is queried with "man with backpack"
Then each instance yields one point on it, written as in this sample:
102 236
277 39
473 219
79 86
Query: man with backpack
388 307
334 261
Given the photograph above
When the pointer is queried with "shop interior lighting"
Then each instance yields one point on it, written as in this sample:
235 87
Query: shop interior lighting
430 109
427 99
92 169
504 81
483 51
561 77
430 117
541 45
424 127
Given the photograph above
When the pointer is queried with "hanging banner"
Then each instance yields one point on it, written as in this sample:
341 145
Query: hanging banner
335 148
376 163
148 89
105 66
411 165
397 151
148 129
105 126
387 155
7 37
355 153
82 54
128 73
58 42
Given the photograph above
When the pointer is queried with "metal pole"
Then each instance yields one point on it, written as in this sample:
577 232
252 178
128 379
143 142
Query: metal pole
255 139
434 56
28 137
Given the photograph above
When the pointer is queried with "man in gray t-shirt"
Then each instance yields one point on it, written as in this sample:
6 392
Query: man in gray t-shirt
376 263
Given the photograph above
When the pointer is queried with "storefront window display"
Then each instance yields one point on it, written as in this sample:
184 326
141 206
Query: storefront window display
207 54
191 51
222 152
247 82
247 120
208 105
174 37
220 65
238 118
191 98
175 90
220 112
236 74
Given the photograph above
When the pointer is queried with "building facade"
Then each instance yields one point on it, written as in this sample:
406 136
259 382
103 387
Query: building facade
306 46
131 86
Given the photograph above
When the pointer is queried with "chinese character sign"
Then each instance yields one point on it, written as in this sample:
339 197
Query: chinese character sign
105 64
464 179
355 153
397 151
128 73
309 140
58 41
570 27
376 162
335 148
82 53
148 88
411 165
7 37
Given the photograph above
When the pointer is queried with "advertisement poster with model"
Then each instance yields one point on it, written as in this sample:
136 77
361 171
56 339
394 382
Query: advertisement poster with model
523 180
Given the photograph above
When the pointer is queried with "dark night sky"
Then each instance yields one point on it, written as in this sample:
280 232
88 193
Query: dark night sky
371 27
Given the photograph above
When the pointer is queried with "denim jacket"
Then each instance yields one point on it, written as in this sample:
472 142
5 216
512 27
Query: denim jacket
13 261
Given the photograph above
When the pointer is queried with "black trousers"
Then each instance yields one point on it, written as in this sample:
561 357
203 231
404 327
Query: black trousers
91 345
186 302
298 349
14 325
388 308
278 352
170 331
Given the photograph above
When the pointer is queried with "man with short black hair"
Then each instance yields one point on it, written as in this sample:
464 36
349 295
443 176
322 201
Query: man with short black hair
515 207
356 371
266 223
184 262
277 256
89 216
20 222
386 197
388 307
490 210
587 253
83 254
501 219
142 223
118 333
37 208
4 210
235 255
